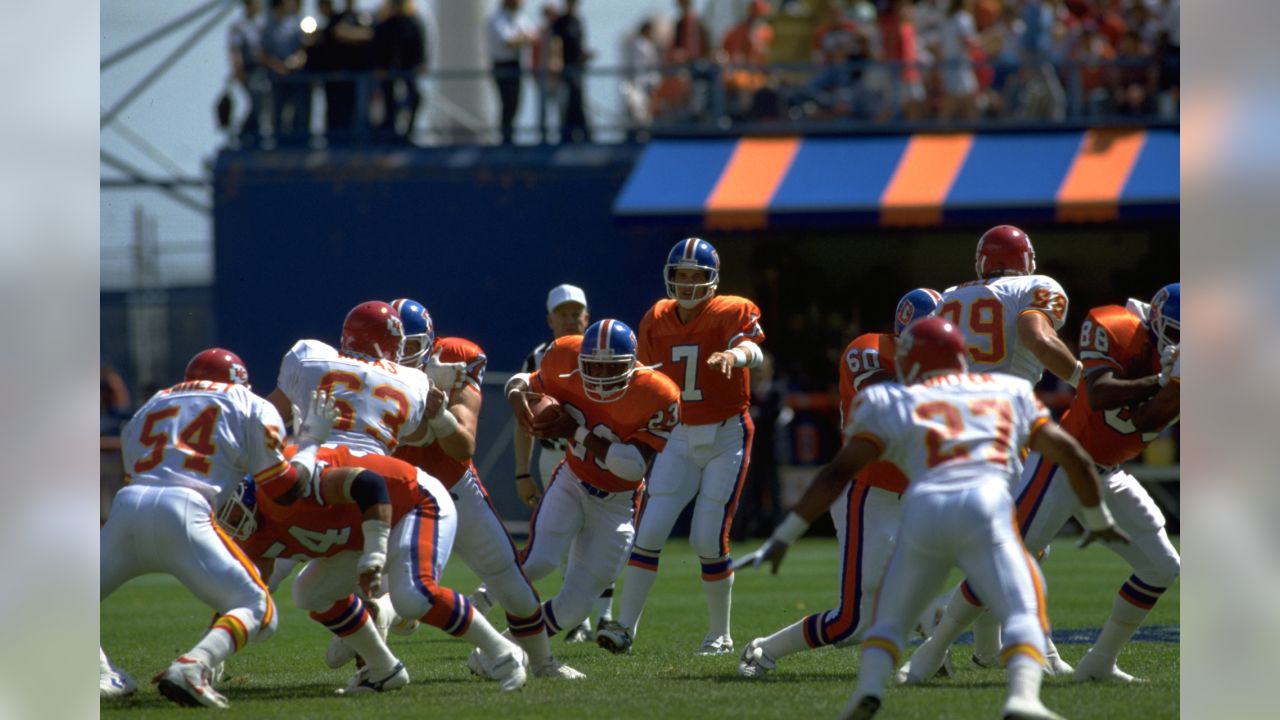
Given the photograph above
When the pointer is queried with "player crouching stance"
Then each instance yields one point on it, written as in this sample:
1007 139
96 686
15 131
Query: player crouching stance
185 450
957 510
372 516
616 418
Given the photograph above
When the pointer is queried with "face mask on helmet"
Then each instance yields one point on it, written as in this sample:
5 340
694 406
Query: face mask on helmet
237 516
607 360
692 272
419 331
1165 319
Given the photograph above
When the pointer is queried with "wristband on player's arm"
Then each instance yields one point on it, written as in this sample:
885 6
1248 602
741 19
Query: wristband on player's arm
1074 380
791 529
510 387
444 424
369 489
376 535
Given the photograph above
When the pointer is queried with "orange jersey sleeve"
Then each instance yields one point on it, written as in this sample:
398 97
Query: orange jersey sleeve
432 457
456 349
863 359
680 350
1111 337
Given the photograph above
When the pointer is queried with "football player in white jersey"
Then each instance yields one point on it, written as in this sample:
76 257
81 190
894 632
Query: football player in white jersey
955 435
1010 318
382 403
185 451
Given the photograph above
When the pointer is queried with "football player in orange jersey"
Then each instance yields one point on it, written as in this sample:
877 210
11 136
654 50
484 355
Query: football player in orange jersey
618 415
482 540
355 523
866 516
1130 394
704 342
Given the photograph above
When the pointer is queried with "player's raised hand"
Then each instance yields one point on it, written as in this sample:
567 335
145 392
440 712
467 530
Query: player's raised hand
322 413
436 399
527 489
1109 534
446 375
722 361
772 552
519 402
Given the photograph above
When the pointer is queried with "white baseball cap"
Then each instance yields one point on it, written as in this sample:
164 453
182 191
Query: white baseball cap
562 294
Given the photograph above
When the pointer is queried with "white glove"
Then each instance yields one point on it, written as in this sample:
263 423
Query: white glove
1168 361
322 413
445 375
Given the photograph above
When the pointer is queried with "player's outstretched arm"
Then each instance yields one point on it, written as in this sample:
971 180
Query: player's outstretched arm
1108 392
1155 414
1037 334
1061 449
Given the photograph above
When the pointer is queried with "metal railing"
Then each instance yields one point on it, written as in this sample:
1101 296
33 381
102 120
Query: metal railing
622 104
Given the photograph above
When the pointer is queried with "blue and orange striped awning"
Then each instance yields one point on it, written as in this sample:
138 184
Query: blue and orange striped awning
1094 175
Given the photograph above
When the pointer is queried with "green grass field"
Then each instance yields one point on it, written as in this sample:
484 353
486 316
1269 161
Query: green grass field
153 619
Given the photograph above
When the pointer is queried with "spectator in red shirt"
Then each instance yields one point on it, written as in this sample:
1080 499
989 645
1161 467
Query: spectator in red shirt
745 50
898 38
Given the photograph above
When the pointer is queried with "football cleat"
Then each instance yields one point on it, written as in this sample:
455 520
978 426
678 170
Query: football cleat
556 669
985 662
115 683
1091 671
582 633
186 682
755 661
1055 666
361 684
716 645
509 671
1021 708
612 636
860 708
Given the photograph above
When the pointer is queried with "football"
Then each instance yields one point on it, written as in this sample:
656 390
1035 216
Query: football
544 409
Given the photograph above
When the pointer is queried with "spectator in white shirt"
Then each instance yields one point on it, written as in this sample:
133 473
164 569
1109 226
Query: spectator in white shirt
509 34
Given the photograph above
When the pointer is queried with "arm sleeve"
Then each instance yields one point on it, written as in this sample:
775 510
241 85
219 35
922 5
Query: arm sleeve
264 440
747 326
1045 295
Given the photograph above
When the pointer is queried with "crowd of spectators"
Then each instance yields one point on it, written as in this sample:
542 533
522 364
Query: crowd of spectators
870 60
281 61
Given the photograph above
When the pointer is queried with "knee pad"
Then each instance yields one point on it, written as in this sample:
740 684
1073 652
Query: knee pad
1160 571
706 532
512 591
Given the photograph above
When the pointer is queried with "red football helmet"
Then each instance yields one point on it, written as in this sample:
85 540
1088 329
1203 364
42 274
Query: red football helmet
218 365
1004 250
373 329
928 347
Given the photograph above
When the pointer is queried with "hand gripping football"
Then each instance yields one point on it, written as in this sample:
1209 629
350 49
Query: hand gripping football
544 409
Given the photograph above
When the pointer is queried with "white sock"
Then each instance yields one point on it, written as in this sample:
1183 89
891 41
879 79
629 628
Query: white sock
636 584
719 601
787 641
369 645
482 635
604 606
538 646
1025 675
986 636
874 669
1120 626
215 647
